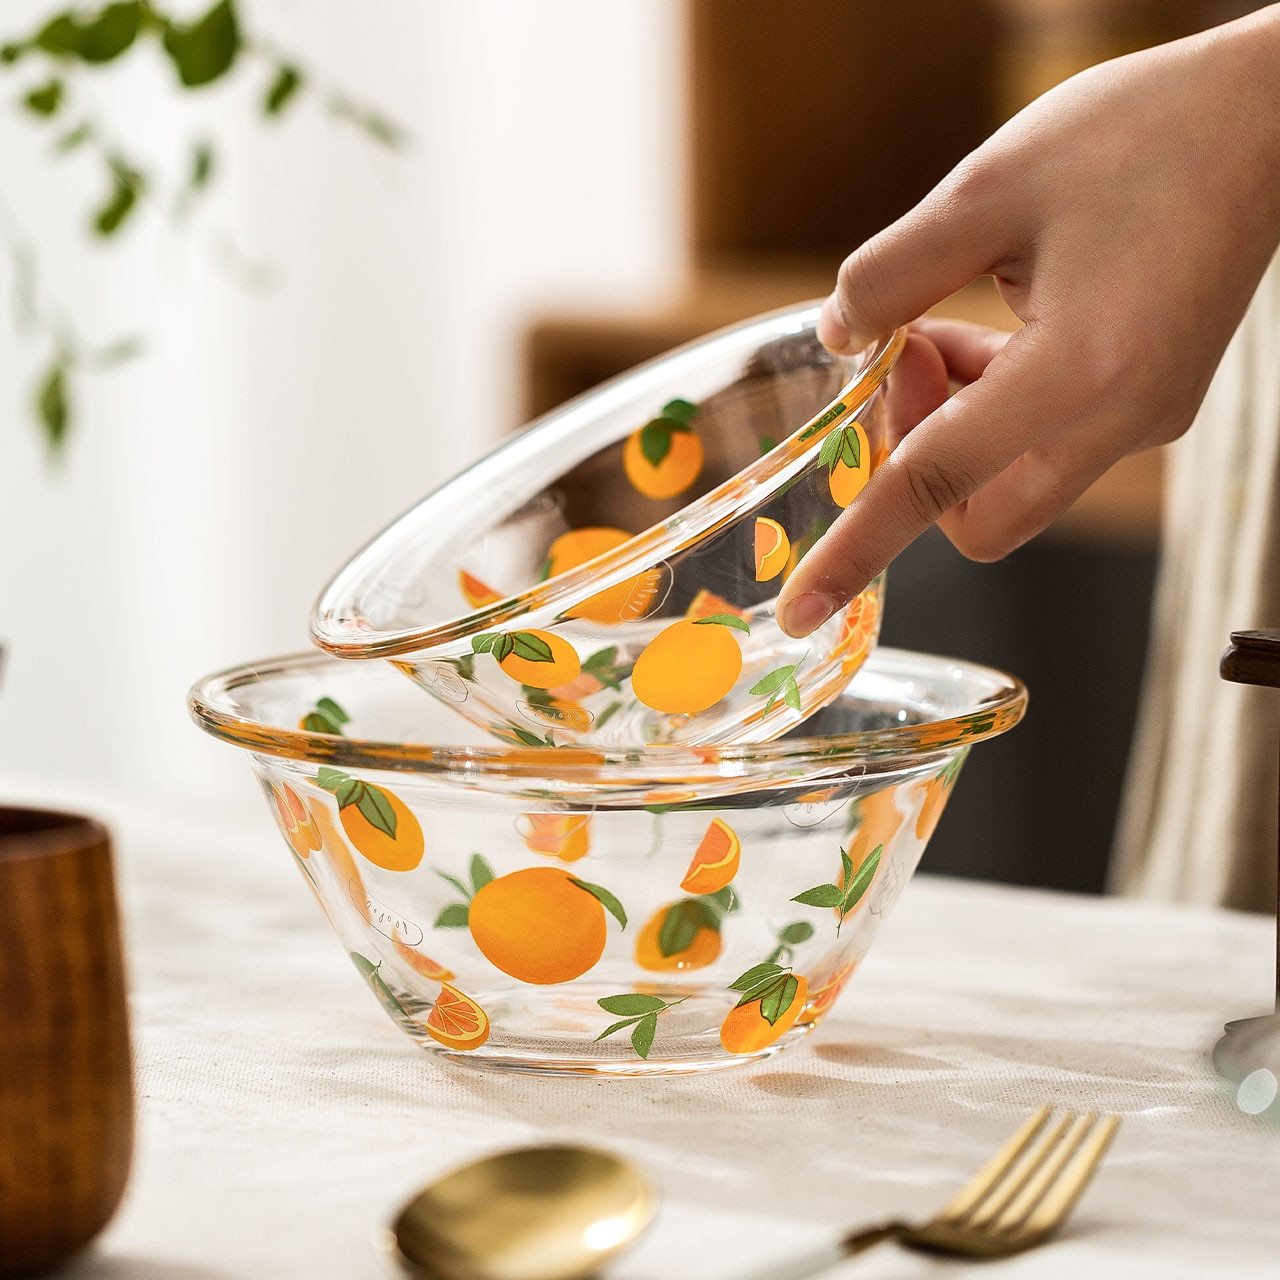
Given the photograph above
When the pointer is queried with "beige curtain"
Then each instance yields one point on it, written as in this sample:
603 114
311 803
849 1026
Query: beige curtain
1199 817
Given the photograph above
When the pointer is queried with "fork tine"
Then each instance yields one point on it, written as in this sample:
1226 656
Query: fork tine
1046 1176
992 1173
1062 1196
1018 1177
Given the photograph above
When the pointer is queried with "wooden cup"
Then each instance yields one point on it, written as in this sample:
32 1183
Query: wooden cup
66 1087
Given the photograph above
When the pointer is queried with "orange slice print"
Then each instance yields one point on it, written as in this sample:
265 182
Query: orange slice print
566 836
476 593
456 1021
773 548
715 862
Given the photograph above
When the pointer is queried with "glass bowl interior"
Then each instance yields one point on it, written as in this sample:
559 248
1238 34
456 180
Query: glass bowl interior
901 709
473 555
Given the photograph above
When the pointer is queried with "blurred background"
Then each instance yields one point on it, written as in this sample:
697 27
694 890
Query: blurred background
340 325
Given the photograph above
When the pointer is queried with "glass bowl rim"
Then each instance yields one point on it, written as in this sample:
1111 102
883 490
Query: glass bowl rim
644 550
641 768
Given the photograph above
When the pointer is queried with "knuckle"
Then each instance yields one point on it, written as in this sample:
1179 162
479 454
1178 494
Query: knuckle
933 485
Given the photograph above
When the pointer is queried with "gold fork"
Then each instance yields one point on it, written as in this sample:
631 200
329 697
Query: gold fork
1019 1198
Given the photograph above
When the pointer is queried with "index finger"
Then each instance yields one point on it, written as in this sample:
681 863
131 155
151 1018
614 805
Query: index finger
963 444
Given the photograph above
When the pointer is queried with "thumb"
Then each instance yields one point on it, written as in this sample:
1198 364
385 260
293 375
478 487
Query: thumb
964 228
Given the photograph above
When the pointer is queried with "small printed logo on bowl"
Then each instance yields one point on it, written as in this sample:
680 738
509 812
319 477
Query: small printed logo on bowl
384 919
558 713
442 680
814 807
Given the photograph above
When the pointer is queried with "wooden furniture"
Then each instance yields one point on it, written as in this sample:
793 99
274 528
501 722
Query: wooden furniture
66 1092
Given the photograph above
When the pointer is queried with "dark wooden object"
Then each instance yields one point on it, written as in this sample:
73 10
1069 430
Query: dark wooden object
1253 657
66 1089
1253 1044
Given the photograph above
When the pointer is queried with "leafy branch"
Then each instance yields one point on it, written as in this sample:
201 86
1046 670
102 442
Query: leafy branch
200 53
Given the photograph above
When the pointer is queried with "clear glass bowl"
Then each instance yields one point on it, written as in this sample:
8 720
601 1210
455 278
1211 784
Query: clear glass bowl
622 557
654 910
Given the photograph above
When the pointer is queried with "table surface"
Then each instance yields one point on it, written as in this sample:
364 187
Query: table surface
282 1115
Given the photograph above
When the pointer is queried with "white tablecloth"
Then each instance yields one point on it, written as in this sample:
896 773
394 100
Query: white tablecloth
282 1116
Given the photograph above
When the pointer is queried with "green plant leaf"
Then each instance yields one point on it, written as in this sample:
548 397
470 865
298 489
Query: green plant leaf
376 809
626 1005
767 445
317 722
481 872
679 928
683 411
111 33
530 647
863 877
774 681
201 166
118 352
605 898
797 932
791 694
127 185
330 779
755 976
207 50
850 447
328 707
59 36
53 406
455 916
777 1000
846 864
724 620
74 138
365 966
822 895
655 440
643 1033
348 791
615 1027
377 126
725 899
281 90
608 713
46 99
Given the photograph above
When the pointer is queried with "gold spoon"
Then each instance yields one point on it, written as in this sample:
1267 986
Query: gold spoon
538 1213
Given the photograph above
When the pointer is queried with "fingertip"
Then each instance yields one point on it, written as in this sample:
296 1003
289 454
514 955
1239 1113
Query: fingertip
806 612
834 332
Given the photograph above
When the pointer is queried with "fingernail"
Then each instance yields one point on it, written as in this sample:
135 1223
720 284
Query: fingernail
833 333
807 612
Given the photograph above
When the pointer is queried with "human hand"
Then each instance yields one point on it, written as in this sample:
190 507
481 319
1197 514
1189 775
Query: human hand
1127 216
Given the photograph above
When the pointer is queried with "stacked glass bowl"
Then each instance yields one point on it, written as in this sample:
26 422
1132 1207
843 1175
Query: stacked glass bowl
635 828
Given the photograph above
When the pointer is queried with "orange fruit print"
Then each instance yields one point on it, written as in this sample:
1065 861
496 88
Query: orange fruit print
847 457
541 925
536 659
456 1021
773 549
378 824
856 632
715 861
689 666
627 601
691 926
664 457
748 1029
936 791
